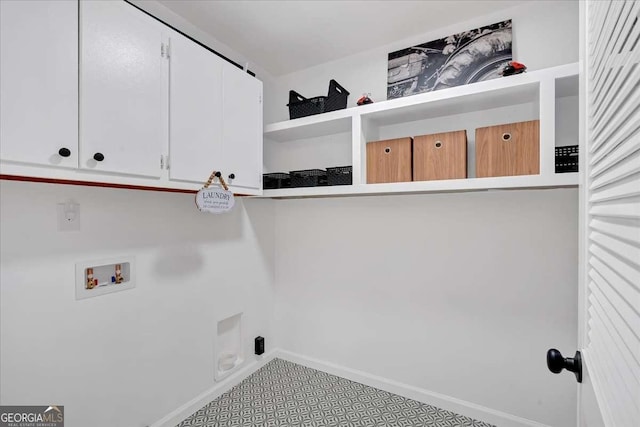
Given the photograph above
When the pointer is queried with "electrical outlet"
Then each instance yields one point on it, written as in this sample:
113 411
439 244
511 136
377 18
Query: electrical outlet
68 216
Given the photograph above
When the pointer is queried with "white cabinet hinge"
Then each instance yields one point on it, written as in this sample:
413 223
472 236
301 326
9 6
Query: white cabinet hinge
165 50
260 99
164 162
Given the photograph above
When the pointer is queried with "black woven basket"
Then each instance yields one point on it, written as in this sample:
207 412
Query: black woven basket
308 178
567 159
272 181
299 106
340 175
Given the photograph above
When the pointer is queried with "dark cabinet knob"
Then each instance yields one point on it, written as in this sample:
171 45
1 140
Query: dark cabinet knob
64 152
98 157
232 176
218 174
556 363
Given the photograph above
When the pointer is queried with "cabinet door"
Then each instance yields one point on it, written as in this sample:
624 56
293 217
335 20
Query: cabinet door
242 129
195 111
39 82
122 89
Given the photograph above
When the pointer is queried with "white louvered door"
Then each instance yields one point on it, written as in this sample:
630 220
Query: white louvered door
610 283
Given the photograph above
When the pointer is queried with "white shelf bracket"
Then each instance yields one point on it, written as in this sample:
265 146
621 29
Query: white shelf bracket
547 126
357 144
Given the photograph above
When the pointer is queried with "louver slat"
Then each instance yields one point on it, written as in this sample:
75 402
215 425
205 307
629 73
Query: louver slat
627 166
621 229
618 106
628 11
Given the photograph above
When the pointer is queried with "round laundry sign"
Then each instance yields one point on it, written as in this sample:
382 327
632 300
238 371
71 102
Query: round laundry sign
214 200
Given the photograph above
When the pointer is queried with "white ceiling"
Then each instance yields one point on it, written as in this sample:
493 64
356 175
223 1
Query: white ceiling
286 36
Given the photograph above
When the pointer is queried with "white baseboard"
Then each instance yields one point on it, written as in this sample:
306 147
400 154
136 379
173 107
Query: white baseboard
478 412
183 412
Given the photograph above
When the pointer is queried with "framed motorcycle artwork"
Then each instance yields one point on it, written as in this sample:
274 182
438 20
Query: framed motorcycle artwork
463 58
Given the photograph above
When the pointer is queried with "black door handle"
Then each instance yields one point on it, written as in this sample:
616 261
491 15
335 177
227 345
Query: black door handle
98 157
232 176
64 152
556 363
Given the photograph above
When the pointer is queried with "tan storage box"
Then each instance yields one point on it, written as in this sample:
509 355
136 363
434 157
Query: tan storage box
507 150
389 161
440 156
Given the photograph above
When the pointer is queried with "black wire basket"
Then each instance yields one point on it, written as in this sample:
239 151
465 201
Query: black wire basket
308 178
299 106
273 181
340 175
567 159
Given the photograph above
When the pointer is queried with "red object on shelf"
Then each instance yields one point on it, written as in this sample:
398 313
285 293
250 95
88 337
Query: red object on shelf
513 68
365 99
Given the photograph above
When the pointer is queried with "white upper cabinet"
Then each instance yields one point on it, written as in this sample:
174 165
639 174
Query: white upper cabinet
195 111
123 85
39 82
215 116
242 129
110 94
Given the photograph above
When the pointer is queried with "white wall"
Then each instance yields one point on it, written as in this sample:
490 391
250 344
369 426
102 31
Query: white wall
129 358
545 34
461 294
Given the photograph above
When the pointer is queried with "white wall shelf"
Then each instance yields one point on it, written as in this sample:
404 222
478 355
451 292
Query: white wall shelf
310 127
549 95
450 185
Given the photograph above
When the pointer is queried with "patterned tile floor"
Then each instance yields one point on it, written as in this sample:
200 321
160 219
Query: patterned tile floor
282 393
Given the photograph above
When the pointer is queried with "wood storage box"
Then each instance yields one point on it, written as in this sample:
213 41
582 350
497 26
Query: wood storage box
389 161
440 156
507 150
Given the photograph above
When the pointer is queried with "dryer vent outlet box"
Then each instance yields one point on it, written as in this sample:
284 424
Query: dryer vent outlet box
259 345
228 344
